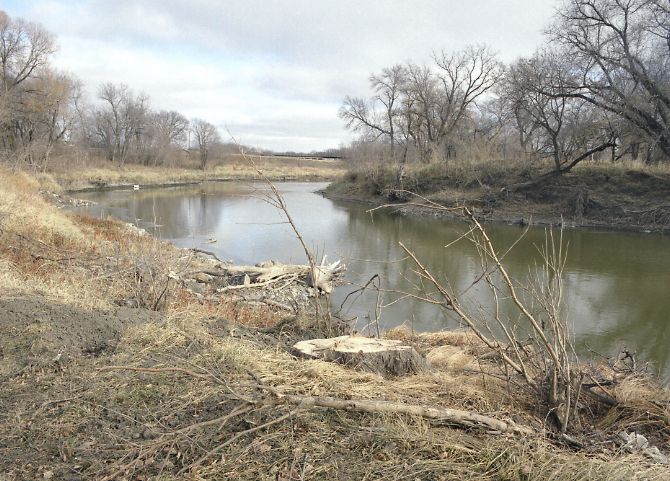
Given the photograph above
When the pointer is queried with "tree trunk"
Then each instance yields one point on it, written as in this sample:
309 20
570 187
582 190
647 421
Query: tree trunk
381 356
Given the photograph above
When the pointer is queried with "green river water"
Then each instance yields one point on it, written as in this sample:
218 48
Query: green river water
616 284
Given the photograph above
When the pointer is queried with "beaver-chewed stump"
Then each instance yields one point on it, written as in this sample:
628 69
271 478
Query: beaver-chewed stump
381 356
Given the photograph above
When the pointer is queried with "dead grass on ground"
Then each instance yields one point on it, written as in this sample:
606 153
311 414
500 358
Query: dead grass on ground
205 407
232 168
193 395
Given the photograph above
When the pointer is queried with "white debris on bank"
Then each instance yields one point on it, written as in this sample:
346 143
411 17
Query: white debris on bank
637 443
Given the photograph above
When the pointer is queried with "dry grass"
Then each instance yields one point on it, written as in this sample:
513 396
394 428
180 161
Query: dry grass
22 211
79 419
478 174
155 423
232 168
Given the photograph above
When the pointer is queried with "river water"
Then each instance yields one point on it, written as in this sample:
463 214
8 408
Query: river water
616 284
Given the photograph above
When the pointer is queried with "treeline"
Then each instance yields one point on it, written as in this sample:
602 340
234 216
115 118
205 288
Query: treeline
600 86
42 108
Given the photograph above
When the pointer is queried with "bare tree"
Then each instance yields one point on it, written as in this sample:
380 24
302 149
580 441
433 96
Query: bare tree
566 128
464 77
388 88
120 121
361 116
421 101
165 130
425 107
206 135
621 50
24 48
47 114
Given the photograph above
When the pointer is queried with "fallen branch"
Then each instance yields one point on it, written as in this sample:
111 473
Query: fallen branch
256 284
563 170
323 276
157 370
458 417
465 419
220 447
209 253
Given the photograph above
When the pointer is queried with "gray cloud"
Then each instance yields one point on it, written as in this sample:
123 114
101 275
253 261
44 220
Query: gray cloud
276 70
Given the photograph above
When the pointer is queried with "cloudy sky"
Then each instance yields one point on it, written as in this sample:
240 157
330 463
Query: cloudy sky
273 72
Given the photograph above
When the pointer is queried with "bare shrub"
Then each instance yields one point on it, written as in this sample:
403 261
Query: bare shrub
546 361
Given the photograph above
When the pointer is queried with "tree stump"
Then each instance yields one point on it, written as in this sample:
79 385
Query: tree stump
381 356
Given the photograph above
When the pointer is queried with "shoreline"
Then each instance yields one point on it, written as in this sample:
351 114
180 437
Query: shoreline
405 209
160 185
548 206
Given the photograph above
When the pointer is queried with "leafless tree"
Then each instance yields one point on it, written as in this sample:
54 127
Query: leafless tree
463 77
120 121
564 127
47 115
388 88
206 135
165 130
24 48
423 106
621 52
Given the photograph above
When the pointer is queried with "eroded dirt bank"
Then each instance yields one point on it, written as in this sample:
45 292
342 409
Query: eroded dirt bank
600 197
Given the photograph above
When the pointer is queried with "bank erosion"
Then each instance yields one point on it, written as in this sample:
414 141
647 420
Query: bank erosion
627 195
120 360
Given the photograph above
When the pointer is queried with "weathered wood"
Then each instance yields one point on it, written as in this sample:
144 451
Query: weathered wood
381 356
458 417
324 277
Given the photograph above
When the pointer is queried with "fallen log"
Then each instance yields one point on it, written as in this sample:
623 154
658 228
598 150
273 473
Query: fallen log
382 356
324 276
458 417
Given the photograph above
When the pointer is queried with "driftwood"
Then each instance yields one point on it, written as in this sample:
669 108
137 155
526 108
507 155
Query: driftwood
325 276
381 356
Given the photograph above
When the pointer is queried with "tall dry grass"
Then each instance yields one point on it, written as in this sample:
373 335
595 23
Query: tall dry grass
231 168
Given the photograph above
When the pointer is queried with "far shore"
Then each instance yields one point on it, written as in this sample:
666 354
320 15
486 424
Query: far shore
625 198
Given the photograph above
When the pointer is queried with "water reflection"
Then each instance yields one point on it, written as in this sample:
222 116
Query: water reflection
616 284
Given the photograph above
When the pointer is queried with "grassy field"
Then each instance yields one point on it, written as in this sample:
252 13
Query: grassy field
175 386
234 167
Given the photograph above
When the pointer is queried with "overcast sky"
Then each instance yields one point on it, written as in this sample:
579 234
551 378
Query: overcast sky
273 72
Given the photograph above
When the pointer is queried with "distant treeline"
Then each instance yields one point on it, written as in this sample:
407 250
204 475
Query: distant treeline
600 86
43 110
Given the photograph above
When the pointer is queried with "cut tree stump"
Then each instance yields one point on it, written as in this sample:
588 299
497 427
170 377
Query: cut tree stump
381 356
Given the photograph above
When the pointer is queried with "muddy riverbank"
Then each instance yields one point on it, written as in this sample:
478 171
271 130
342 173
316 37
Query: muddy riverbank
591 197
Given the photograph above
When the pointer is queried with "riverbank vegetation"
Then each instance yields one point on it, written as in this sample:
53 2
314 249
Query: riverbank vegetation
100 175
589 109
113 367
124 357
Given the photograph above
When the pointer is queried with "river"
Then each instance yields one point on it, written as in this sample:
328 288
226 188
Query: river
616 284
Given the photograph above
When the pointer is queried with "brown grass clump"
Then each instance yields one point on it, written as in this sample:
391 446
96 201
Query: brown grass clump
23 212
234 310
452 358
